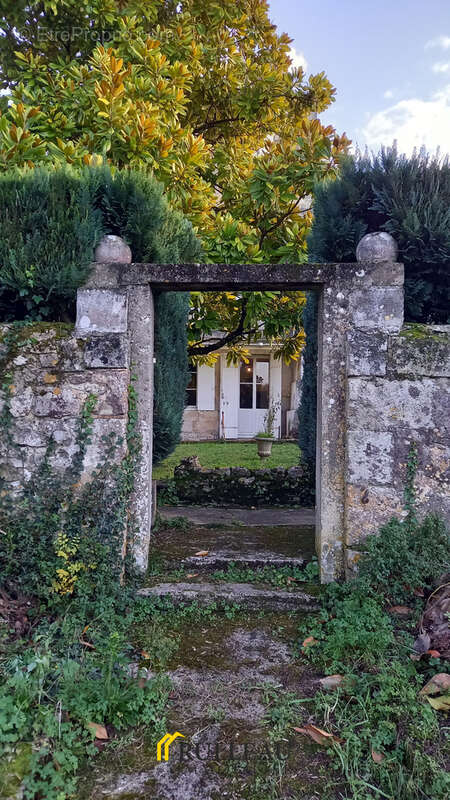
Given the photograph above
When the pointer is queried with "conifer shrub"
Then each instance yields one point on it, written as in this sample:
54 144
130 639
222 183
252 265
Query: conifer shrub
48 231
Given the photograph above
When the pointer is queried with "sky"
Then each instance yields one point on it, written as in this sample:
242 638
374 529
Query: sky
389 61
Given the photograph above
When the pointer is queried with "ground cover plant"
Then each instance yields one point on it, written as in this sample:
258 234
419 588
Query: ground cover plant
383 722
64 616
228 454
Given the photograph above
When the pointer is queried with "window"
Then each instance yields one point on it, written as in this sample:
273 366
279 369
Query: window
191 391
254 383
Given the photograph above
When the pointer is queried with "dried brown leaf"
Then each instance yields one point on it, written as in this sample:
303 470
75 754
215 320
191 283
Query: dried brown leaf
99 731
331 681
438 683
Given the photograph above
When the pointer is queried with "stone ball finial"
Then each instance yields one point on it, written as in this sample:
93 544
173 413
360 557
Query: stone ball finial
378 246
113 248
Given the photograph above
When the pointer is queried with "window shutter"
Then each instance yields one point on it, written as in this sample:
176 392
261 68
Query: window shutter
206 388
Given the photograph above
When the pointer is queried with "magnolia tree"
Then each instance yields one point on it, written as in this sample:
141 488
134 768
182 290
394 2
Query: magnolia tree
206 97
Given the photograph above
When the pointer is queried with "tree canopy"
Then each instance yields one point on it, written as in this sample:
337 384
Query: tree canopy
202 94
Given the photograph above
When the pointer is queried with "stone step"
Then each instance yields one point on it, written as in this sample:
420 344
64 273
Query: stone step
250 517
255 547
245 595
224 560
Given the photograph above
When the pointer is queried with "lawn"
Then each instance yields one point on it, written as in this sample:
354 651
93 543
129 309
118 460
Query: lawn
229 454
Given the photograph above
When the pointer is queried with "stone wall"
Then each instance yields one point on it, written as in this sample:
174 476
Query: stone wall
200 426
398 392
52 373
239 486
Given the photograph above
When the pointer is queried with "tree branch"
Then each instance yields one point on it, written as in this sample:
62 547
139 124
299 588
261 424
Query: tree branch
280 220
230 338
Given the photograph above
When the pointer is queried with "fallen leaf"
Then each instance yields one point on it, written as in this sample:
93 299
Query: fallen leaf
202 553
377 757
317 734
99 731
440 703
331 681
402 611
144 654
433 653
309 641
419 592
438 683
192 575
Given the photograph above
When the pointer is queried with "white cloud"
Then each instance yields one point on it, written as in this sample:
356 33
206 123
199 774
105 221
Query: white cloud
298 59
440 41
389 94
412 123
441 66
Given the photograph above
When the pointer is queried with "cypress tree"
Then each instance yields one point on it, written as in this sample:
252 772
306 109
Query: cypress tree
308 401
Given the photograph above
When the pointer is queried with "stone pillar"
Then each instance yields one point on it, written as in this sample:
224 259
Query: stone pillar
141 332
331 396
106 306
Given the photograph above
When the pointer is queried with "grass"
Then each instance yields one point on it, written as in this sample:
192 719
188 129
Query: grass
229 454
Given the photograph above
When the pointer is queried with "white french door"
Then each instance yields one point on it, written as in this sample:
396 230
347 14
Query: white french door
254 396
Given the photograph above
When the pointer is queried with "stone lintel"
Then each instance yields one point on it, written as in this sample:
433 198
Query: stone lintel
245 277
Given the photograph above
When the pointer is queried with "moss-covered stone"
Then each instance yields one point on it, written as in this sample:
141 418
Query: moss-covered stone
239 486
420 350
13 768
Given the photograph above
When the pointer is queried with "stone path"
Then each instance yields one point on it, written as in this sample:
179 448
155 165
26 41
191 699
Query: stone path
226 678
238 686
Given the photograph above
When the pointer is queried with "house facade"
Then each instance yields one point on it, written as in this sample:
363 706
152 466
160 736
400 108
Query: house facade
231 401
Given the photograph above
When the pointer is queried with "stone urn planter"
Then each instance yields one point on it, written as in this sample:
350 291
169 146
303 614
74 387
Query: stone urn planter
264 445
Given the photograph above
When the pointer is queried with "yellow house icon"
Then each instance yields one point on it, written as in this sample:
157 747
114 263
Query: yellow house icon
166 741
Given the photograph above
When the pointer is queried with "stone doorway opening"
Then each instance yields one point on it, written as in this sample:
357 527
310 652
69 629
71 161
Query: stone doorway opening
252 514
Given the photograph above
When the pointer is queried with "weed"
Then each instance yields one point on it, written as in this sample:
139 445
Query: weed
285 577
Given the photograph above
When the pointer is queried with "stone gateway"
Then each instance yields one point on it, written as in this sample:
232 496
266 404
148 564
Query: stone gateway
381 386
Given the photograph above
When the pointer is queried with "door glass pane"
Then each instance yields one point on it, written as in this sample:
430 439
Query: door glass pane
262 383
246 385
247 372
246 395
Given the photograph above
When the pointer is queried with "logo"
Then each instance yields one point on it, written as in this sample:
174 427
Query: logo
166 741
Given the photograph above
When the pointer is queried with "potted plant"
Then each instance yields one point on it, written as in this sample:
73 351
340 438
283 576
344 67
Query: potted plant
266 438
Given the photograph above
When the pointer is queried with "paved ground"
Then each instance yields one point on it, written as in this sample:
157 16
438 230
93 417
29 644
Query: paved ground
208 515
